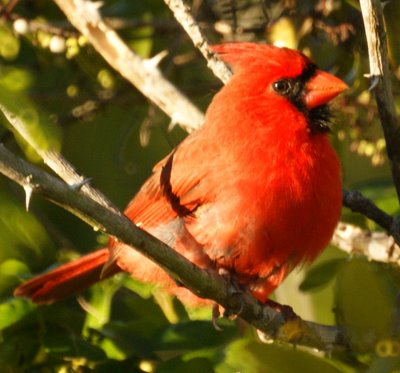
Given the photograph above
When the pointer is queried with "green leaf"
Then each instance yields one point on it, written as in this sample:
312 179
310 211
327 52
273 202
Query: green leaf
13 311
251 356
321 274
10 270
194 335
18 351
21 235
365 302
101 296
60 343
9 46
180 365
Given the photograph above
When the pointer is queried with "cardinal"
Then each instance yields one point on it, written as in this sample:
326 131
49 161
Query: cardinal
255 192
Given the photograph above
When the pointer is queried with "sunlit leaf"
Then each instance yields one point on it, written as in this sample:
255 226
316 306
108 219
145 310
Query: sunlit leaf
10 271
13 311
15 79
9 46
251 356
283 34
365 302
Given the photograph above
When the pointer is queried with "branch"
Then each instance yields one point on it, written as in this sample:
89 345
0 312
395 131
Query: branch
380 82
376 246
356 202
143 74
189 24
205 284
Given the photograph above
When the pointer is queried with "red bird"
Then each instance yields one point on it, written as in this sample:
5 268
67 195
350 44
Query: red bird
255 191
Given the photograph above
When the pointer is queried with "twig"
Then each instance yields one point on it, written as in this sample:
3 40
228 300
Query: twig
184 17
203 283
144 74
380 76
356 202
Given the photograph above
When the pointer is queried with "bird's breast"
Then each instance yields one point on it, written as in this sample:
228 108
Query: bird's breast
282 207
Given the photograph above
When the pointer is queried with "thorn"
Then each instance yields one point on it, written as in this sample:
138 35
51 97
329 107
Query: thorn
172 124
154 61
264 337
215 315
77 186
90 11
375 81
28 191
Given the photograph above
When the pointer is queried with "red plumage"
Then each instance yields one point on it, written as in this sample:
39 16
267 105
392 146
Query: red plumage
256 190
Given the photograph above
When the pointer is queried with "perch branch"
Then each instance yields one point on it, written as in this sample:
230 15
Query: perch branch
203 283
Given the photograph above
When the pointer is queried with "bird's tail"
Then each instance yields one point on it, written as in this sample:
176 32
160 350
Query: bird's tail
69 279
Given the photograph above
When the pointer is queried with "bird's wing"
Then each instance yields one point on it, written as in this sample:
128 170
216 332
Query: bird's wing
176 188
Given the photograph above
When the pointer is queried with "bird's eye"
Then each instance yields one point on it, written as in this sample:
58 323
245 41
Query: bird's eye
282 86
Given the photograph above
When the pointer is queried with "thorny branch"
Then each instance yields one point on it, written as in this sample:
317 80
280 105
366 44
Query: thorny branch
203 283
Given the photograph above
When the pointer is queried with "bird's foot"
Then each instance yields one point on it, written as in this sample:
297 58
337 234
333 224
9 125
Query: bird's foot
286 311
234 289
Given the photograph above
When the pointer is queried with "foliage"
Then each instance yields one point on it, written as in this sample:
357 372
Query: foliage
74 101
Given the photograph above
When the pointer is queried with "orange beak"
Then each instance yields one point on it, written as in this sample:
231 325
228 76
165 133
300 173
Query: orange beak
322 88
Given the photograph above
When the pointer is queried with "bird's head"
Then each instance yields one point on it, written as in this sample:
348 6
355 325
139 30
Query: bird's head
283 78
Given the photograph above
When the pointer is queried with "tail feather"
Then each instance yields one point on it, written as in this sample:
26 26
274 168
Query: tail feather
67 280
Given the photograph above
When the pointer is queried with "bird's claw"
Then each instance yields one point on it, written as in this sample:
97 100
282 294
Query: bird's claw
234 289
215 316
286 311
